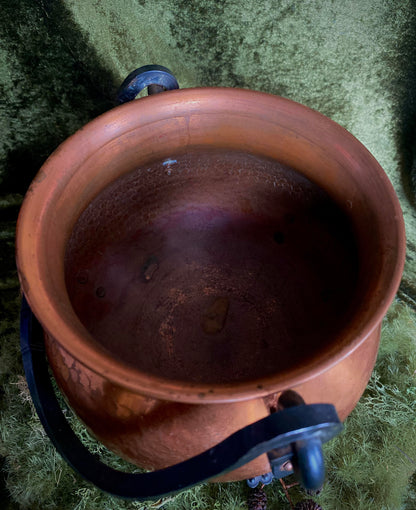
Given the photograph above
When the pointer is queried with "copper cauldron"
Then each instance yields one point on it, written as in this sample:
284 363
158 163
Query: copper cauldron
193 254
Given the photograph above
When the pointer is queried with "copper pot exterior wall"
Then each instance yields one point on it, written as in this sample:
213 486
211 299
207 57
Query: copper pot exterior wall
155 434
149 432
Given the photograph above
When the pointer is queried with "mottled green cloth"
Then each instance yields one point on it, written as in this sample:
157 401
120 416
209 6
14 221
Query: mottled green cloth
61 62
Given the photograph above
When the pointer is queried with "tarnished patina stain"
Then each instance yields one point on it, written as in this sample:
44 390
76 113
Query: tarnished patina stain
213 320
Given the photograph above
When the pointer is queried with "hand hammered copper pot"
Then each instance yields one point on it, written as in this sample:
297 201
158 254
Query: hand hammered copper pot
192 254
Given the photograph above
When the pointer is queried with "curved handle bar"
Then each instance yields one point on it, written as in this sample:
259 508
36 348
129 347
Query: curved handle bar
299 425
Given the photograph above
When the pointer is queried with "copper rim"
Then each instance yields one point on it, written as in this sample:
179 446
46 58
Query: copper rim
187 110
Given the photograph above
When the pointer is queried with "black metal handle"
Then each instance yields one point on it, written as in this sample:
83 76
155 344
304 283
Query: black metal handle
284 435
156 78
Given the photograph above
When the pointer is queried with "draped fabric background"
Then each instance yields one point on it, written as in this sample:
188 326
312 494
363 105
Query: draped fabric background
61 62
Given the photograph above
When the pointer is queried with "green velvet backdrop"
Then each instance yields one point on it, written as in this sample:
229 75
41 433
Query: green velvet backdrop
61 62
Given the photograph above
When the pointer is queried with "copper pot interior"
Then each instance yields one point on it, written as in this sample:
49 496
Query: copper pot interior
212 266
